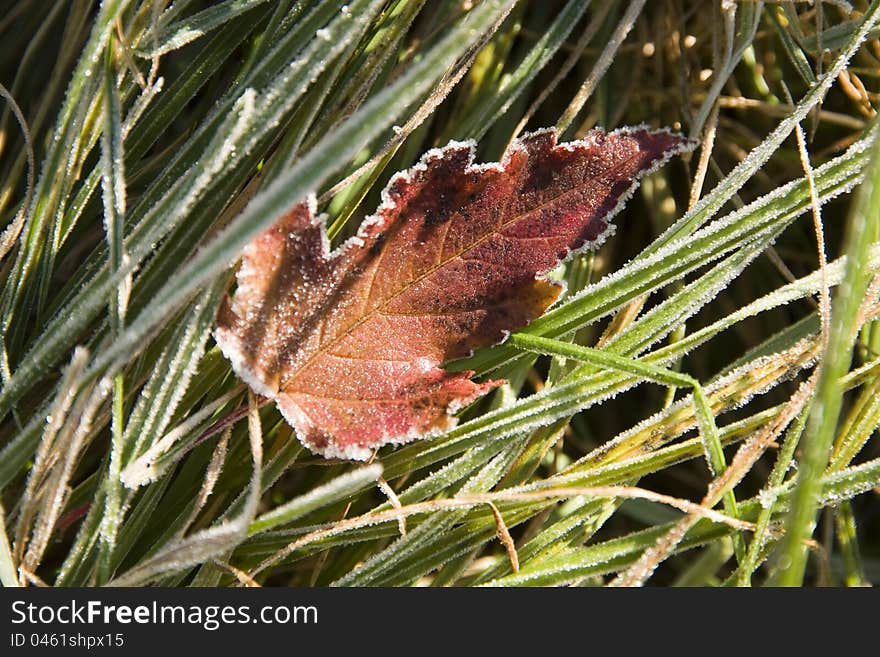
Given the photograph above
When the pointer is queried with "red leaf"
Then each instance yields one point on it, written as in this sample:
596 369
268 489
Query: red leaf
349 344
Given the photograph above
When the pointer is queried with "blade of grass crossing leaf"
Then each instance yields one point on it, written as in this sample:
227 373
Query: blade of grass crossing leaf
651 435
180 243
657 323
673 311
741 227
538 410
281 79
746 312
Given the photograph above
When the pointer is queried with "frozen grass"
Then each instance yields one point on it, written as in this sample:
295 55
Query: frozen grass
699 409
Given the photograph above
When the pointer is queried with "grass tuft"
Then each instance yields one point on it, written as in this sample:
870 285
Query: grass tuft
144 143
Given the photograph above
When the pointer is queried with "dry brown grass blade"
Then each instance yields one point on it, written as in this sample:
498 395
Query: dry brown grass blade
506 539
395 502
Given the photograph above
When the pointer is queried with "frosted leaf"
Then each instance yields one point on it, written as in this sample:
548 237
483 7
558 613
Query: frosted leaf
349 343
